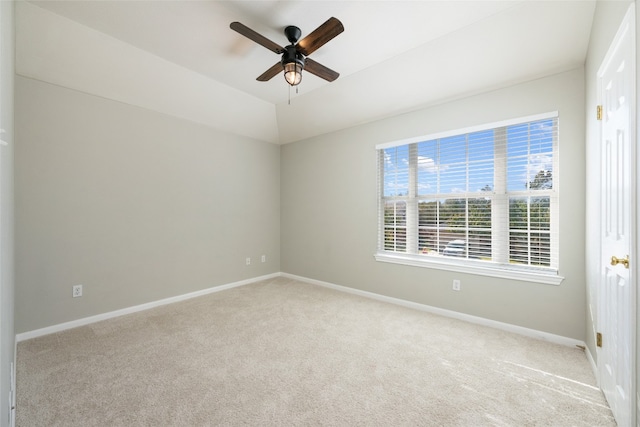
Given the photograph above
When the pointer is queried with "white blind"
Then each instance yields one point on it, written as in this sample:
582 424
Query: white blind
486 195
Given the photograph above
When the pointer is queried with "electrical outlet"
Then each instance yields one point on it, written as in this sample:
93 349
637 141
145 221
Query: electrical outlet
248 261
77 291
456 285
264 258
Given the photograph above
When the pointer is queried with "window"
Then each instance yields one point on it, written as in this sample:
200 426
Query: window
479 200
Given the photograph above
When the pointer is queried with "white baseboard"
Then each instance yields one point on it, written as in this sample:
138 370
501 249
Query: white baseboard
545 336
104 316
410 304
592 362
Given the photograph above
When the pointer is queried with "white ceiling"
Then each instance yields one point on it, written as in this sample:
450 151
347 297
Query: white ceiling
393 57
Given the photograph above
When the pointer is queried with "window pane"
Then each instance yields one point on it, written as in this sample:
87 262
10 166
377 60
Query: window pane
542 179
480 244
456 164
481 146
529 213
395 226
531 247
453 179
396 171
456 244
453 150
541 137
540 249
518 140
428 213
530 155
453 213
517 175
481 176
428 227
395 213
479 212
395 239
540 213
518 247
428 167
518 213
428 241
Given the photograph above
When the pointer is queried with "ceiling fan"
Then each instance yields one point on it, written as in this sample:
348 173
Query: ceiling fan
294 56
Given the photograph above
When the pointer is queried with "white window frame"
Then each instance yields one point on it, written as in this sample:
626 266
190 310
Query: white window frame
545 275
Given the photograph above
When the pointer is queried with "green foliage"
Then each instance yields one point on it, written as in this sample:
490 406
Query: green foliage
542 181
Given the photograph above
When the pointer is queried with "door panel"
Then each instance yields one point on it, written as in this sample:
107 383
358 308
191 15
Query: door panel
616 315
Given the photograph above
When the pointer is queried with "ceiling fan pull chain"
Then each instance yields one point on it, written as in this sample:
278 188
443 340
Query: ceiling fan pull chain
289 95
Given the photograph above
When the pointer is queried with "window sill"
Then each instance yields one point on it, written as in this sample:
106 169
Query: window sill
473 267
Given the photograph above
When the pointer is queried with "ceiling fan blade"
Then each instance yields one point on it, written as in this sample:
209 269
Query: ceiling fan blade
258 38
271 72
320 70
321 35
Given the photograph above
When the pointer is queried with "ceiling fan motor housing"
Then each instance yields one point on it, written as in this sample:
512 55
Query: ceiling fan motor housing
292 55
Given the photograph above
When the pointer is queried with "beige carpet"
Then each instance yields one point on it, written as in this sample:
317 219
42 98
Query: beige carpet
282 352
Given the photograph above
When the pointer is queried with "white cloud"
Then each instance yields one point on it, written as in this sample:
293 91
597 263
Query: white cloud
423 186
427 164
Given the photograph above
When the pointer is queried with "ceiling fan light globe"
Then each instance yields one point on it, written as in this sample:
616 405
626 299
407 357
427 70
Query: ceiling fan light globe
293 73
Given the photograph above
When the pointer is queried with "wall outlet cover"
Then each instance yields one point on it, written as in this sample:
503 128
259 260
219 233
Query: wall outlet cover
77 291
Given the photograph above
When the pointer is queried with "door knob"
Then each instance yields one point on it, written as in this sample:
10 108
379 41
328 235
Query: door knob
624 261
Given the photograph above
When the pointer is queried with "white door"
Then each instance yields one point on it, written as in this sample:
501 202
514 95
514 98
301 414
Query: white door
616 290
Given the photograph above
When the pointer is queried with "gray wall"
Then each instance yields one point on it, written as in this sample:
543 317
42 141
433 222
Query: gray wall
329 211
135 205
7 332
607 19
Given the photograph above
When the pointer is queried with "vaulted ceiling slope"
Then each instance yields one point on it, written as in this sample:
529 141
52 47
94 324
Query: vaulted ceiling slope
181 58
